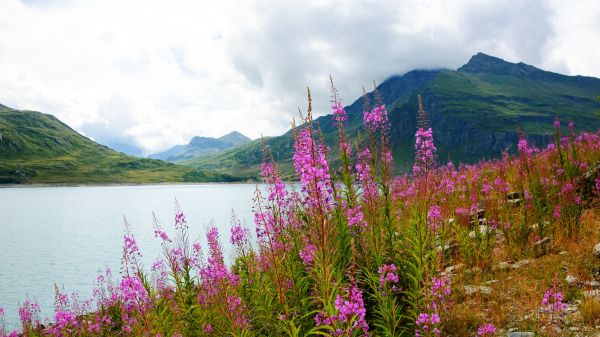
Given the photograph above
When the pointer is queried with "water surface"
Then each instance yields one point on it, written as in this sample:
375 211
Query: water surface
66 235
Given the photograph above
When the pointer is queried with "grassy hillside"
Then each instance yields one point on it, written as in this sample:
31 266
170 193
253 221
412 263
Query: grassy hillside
476 112
38 148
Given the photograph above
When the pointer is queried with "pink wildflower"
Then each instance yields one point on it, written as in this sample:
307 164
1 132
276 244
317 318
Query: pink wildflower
487 330
424 152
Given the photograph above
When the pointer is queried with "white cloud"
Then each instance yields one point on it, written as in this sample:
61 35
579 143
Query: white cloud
154 73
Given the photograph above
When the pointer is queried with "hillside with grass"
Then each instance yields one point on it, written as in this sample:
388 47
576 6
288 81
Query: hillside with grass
478 111
39 148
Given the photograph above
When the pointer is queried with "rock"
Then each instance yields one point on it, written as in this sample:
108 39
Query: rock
593 284
597 250
514 202
574 329
571 279
502 266
520 334
542 242
563 253
521 263
448 248
591 293
452 269
472 290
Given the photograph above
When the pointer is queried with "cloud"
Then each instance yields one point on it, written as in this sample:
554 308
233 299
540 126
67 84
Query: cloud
152 74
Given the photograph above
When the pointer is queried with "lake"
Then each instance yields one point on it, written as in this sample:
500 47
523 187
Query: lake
67 235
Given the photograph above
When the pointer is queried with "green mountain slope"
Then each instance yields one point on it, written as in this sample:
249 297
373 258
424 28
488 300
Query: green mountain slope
476 112
38 148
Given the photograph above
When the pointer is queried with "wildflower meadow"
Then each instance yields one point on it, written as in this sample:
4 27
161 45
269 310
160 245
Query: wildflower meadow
351 249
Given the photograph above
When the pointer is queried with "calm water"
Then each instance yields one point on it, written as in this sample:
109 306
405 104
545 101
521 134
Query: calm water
66 235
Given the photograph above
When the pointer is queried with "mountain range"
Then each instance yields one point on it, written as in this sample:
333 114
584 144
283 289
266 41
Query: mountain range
39 148
202 146
476 112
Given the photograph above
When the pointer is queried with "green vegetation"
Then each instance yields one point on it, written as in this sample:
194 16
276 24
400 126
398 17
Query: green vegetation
38 148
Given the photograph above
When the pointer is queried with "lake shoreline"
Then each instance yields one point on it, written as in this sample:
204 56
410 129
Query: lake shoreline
124 184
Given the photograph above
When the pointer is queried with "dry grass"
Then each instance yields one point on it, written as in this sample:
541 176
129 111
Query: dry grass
516 293
590 311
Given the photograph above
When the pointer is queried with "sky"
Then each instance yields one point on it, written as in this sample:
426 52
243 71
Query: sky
144 75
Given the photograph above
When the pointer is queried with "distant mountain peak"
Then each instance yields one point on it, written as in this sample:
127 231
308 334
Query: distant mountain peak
484 63
234 137
202 146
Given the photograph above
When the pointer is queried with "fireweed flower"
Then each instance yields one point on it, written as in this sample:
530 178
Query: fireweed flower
556 213
29 313
376 119
239 235
339 114
487 330
434 218
180 221
524 149
158 232
160 273
307 254
387 274
349 308
553 302
355 217
427 325
310 162
424 151
130 245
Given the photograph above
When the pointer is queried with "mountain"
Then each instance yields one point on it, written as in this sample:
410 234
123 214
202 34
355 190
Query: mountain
202 146
39 148
476 112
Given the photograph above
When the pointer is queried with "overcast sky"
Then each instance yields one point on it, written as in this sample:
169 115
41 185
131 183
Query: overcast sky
154 73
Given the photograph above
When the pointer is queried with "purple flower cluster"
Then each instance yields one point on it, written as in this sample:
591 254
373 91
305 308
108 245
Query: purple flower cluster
524 149
434 218
553 302
310 162
428 325
130 245
388 275
180 221
429 320
160 233
339 114
239 235
29 313
355 217
424 151
352 310
350 317
486 330
307 254
556 213
376 119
